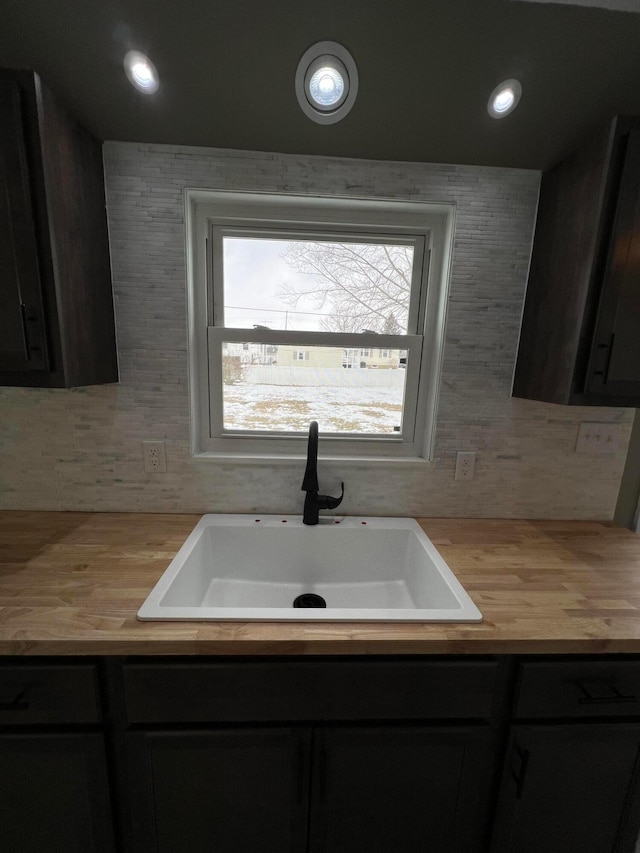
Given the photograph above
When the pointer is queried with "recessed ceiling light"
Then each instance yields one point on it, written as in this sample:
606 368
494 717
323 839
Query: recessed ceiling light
326 82
141 72
504 98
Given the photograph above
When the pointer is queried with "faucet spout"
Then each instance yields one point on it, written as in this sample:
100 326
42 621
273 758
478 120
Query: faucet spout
314 502
310 481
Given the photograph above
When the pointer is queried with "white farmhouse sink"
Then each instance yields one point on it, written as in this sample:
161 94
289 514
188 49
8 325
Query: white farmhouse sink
253 567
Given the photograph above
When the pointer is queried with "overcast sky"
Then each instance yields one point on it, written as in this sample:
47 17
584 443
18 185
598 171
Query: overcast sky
254 270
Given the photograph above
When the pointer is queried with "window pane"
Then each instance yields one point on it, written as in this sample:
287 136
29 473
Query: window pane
306 285
283 388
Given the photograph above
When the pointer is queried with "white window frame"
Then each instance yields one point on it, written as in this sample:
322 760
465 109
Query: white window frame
210 215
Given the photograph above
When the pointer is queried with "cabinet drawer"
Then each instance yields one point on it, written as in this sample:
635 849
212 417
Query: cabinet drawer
578 689
32 695
304 690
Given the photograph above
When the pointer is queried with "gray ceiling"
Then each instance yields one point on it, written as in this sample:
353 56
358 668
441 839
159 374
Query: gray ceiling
426 70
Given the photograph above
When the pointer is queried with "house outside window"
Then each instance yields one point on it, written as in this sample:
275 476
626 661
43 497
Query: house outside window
309 286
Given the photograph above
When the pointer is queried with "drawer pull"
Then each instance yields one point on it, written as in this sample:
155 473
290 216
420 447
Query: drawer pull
17 704
614 697
322 776
25 333
301 767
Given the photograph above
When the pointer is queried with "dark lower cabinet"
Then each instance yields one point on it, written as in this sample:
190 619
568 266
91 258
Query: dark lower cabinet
409 789
532 754
309 756
325 790
570 788
54 795
228 791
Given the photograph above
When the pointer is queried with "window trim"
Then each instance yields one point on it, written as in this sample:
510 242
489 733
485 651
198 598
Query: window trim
336 216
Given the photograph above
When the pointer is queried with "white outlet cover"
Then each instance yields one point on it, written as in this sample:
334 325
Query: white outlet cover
154 457
465 465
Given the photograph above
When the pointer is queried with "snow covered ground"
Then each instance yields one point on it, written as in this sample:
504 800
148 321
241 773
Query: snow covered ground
291 408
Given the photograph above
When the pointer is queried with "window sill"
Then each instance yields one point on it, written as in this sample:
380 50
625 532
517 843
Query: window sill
300 460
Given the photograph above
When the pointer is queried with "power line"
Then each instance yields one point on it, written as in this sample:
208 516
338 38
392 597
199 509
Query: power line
301 313
285 311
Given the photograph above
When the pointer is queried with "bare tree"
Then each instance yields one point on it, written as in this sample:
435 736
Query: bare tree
361 286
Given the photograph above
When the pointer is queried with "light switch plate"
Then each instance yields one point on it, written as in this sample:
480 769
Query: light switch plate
598 438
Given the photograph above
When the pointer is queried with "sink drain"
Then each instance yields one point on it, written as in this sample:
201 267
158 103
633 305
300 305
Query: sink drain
309 599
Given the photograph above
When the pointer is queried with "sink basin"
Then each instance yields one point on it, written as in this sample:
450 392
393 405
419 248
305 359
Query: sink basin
253 567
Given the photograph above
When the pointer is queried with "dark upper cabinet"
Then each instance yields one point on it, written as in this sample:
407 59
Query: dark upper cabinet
56 304
580 339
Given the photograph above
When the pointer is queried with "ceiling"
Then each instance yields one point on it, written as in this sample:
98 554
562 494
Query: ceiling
426 70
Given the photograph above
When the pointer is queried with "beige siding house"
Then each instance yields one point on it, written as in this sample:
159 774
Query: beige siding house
299 356
372 357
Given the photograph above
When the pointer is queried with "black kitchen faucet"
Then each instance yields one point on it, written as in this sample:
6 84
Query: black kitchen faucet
314 502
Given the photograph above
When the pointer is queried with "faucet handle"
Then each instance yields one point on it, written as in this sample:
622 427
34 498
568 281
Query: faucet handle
328 502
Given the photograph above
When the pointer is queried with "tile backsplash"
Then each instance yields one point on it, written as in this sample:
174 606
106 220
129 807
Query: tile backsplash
81 449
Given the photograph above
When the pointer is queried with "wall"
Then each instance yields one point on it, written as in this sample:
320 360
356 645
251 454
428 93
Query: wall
80 450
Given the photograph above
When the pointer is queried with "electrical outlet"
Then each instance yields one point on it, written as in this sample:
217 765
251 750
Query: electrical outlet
465 465
598 438
154 457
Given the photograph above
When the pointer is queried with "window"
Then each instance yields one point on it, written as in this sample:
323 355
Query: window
311 308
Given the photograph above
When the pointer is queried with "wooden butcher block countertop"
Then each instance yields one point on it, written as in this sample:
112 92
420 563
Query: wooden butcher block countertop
71 584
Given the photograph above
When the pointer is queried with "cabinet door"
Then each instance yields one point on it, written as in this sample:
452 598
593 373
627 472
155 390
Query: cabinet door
408 789
228 791
615 359
571 787
22 344
54 796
